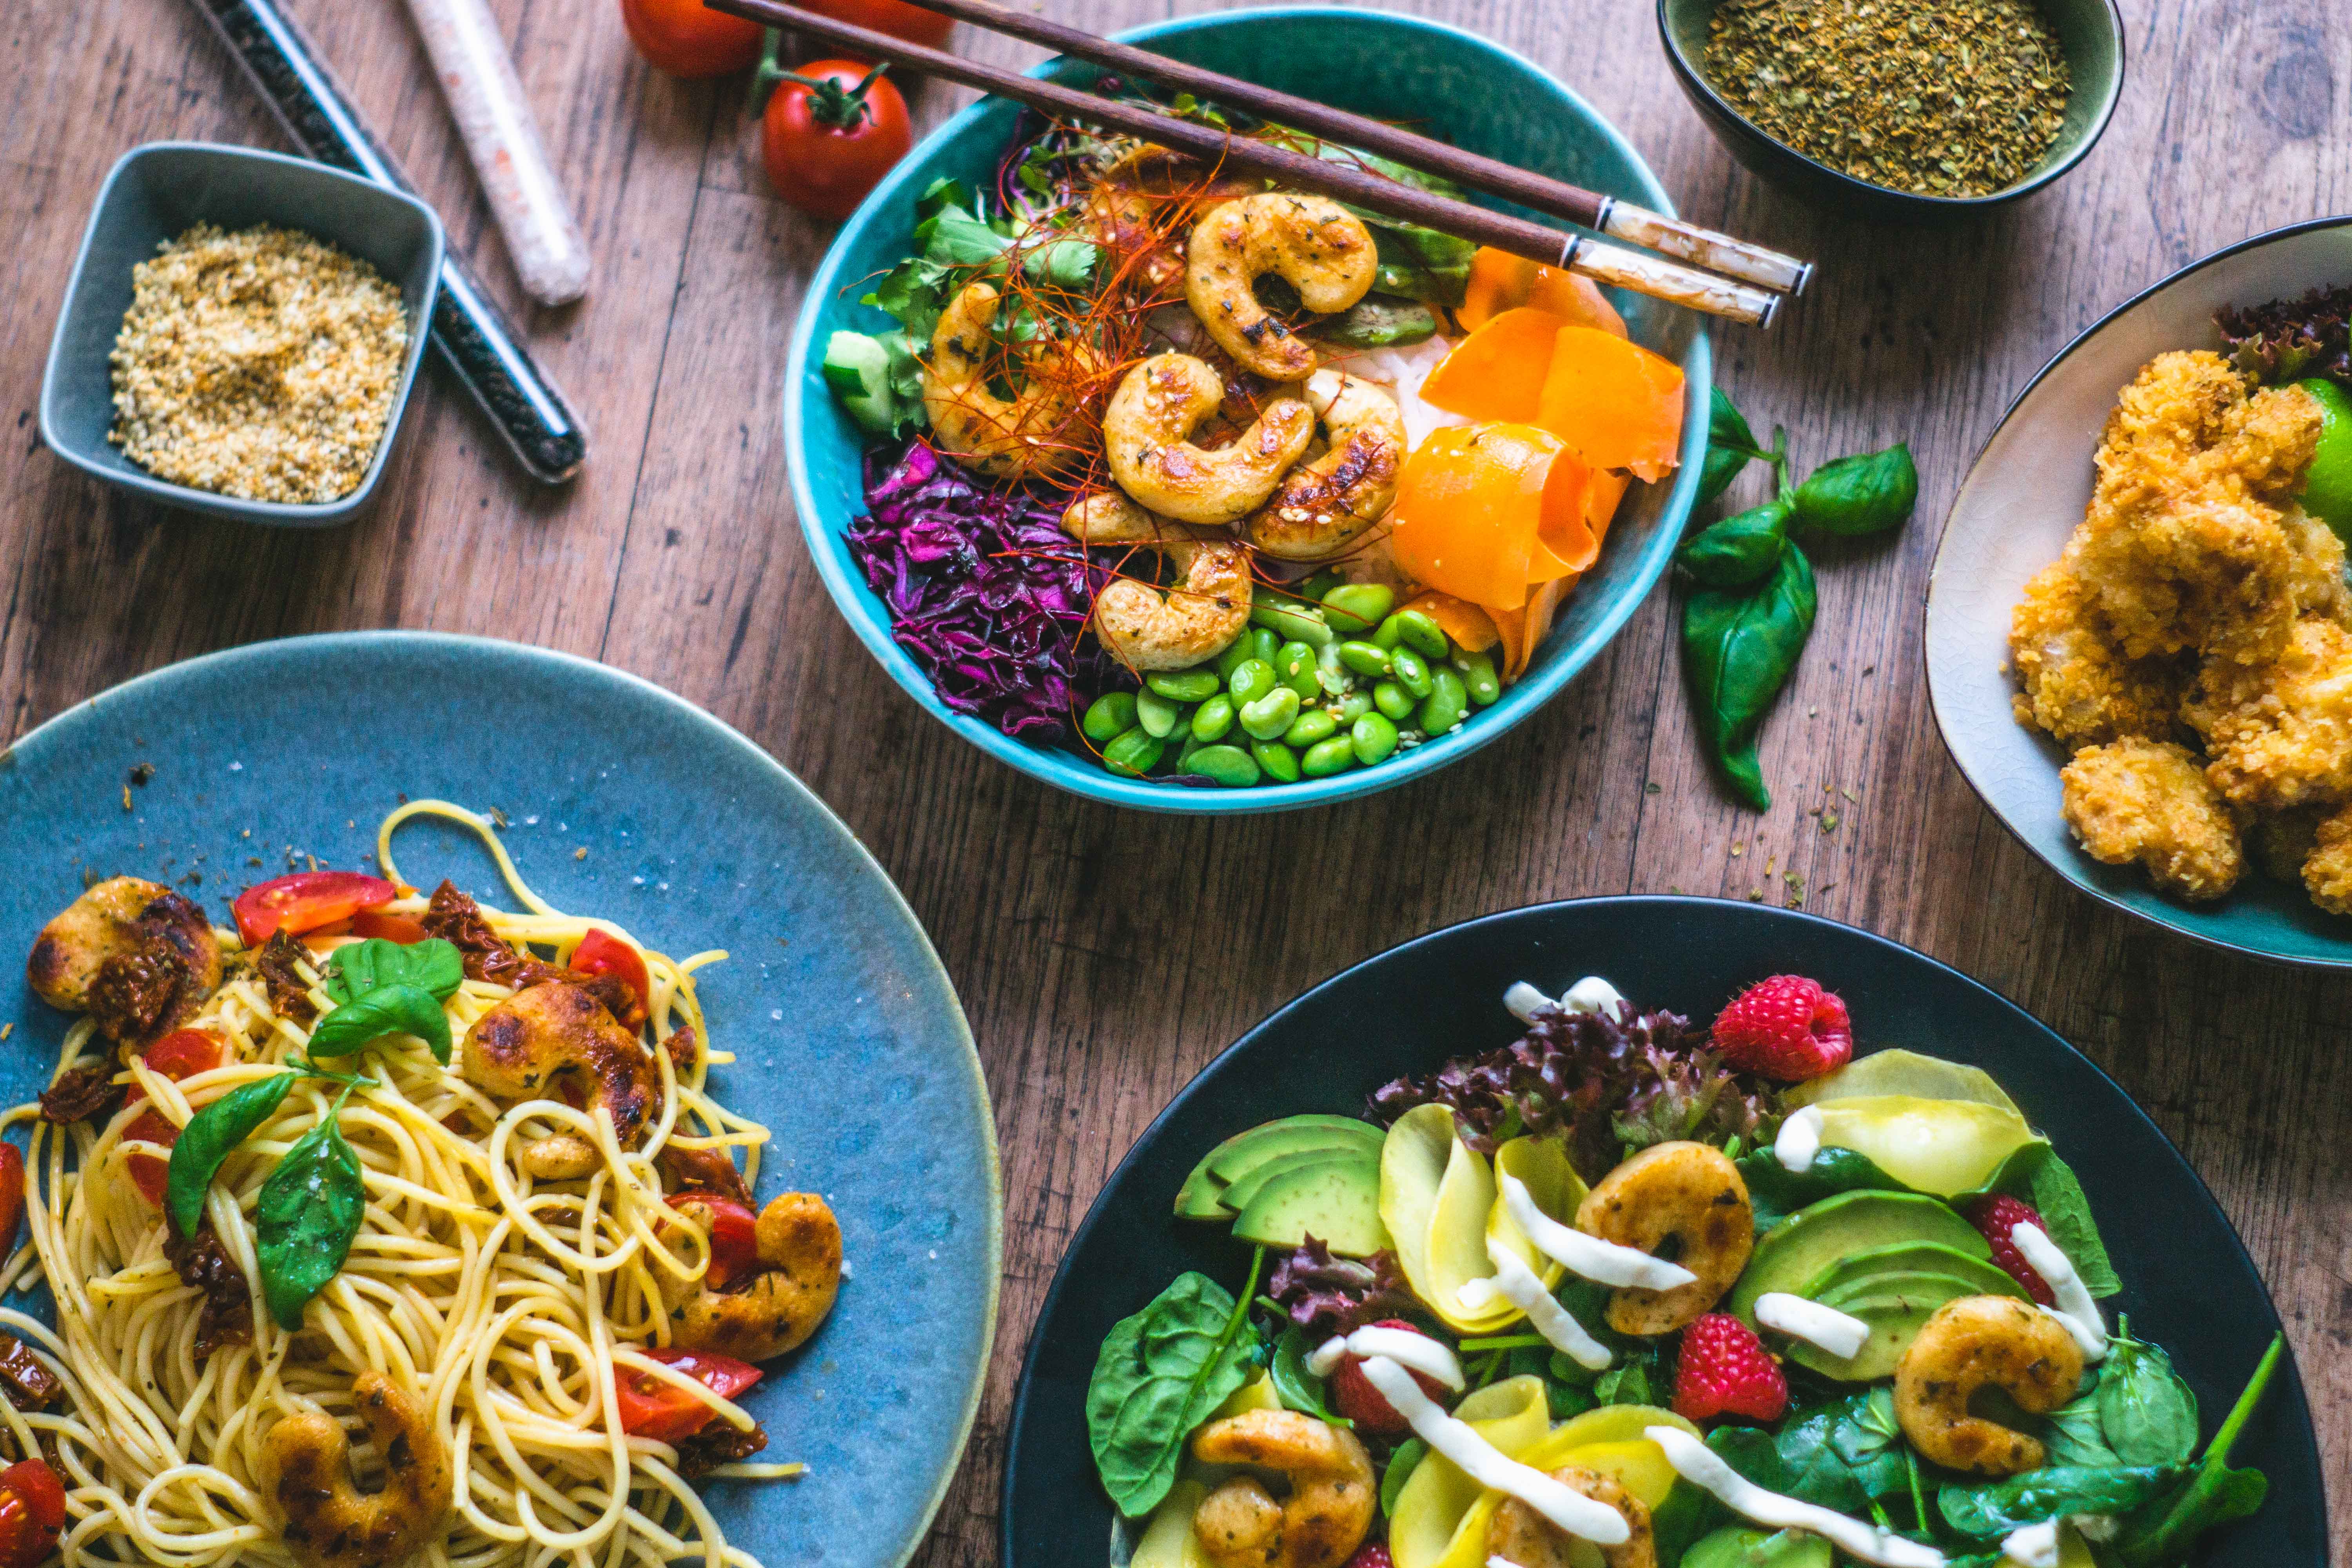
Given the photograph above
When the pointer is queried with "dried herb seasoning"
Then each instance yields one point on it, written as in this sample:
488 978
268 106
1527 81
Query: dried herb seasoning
1941 97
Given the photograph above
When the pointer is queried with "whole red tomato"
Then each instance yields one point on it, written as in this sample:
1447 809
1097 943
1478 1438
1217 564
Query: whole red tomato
895 17
832 130
686 39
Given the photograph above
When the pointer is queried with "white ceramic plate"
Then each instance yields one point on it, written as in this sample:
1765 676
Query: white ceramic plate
2021 502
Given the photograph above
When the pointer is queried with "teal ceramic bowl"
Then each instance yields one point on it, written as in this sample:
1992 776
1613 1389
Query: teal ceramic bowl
1456 86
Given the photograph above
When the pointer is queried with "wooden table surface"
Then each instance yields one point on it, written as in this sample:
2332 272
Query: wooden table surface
1103 957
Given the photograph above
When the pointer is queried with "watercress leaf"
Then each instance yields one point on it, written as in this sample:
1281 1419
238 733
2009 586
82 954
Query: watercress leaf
208 1139
308 1212
1738 550
1730 447
1867 493
1983 1511
1774 1192
2065 1213
386 1010
1739 647
2076 1435
1401 1465
1159 1375
359 967
1297 1388
2147 1414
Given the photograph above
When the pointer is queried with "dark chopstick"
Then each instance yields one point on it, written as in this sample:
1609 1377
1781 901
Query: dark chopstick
1689 242
1638 270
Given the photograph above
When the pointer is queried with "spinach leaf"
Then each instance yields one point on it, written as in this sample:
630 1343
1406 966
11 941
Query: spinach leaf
1160 1375
1627 1383
1984 1510
2067 1215
386 1010
1738 550
1297 1388
1730 447
357 968
1752 1453
305 1216
1840 1455
1739 1546
1739 647
208 1139
2077 1435
1401 1465
2147 1414
1867 493
1774 1192
2162 1534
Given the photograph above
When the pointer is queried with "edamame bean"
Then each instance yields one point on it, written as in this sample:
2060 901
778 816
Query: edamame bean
1354 706
1294 665
1364 659
1184 684
1289 619
1315 724
1212 718
1229 765
1252 680
1422 633
1390 633
1355 608
1393 700
1331 677
1134 753
1262 643
1324 758
1241 653
1447 701
1373 739
1410 671
1156 714
1271 714
1478 677
1280 762
1109 716
1185 753
1317 584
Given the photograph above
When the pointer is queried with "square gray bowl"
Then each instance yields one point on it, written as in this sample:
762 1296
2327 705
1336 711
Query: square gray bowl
156 193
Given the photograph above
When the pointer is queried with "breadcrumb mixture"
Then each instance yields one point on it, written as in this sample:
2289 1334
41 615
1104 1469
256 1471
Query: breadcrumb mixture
260 364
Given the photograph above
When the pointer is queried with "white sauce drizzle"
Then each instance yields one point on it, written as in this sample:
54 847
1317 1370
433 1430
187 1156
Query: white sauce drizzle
1404 1346
1696 1464
1588 1257
1571 1510
2034 1546
2075 1308
1800 1139
1832 1330
1525 1001
1555 1322
1589 995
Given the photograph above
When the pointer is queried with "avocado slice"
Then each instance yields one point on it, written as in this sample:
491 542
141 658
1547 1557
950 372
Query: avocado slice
1199 1197
1896 1306
1243 1192
1892 1290
1237 1157
1798 1250
1856 1275
1337 1202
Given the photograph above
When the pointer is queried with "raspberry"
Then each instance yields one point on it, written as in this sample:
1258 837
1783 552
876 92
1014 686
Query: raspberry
1371 1554
1353 1395
1996 1214
1786 1028
1726 1371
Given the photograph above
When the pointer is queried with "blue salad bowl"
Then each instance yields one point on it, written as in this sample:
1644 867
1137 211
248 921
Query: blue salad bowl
1453 85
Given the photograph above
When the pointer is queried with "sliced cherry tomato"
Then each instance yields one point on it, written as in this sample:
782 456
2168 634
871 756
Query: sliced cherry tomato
181 1054
686 39
895 17
599 954
12 1195
307 901
734 1236
382 926
32 1513
654 1408
833 129
149 1173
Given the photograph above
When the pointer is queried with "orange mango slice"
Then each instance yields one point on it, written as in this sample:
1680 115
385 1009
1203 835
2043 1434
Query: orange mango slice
1484 511
1471 628
1617 404
1498 372
1500 281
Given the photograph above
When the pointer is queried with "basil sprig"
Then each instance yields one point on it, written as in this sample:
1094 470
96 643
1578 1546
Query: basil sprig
219 1127
307 1215
386 1010
357 968
1738 646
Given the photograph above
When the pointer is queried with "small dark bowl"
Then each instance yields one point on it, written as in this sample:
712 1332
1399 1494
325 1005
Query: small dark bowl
2091 32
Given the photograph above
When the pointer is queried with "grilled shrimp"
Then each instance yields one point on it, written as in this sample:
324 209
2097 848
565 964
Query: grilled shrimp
1318 1524
1040 430
133 954
518 1048
1323 506
1979 1341
798 1243
1520 1535
1131 207
329 1522
1147 628
1311 243
1147 433
1684 1193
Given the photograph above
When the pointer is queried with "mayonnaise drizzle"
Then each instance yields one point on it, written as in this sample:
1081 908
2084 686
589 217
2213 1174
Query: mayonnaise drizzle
1555 1322
1832 1330
1405 1346
1525 1001
2075 1308
1800 1139
2034 1546
1589 995
1696 1464
1588 1257
1570 1510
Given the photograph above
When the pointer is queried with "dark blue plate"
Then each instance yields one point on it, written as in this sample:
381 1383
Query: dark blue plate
848 1040
2188 1284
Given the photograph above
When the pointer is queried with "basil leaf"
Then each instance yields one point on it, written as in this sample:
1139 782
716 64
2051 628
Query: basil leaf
1774 1192
1159 1375
304 1221
1985 1511
1401 1465
1730 447
386 1010
1738 550
357 968
2147 1414
1297 1388
2066 1212
1739 649
208 1139
1867 493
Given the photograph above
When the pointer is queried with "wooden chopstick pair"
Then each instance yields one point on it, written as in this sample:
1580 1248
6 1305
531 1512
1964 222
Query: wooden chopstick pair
1751 294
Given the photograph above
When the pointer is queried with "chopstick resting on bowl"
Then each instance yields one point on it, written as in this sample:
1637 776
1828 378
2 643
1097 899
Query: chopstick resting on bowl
1732 256
1638 270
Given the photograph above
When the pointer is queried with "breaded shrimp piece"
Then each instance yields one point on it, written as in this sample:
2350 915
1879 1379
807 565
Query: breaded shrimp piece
2149 801
2073 681
2327 871
2280 735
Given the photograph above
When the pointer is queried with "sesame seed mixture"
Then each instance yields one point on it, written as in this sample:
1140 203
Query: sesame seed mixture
260 364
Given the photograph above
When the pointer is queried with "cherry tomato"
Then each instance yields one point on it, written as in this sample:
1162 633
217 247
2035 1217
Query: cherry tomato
32 1513
685 38
654 1408
382 927
895 17
734 1236
149 1173
181 1054
832 130
12 1195
307 901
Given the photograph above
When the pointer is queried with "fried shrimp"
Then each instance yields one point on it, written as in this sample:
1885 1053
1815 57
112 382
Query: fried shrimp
133 954
1147 433
1983 1342
518 1048
1147 628
2149 801
1314 245
1520 1535
798 1245
1323 506
1332 1492
1038 431
329 1522
1682 1201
